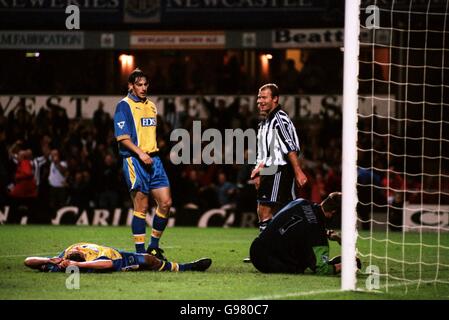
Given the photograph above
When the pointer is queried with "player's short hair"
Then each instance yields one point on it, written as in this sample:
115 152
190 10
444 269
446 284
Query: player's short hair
274 89
76 256
332 202
136 74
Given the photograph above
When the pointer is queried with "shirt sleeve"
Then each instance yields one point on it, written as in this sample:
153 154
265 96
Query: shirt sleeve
259 148
285 135
121 122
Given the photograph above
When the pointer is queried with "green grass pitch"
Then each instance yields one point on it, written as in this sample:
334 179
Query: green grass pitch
228 277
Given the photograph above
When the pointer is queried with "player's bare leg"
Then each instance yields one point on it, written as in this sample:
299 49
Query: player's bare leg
138 225
162 196
265 213
140 201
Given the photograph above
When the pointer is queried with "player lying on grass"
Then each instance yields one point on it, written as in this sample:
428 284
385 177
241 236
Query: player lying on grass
92 257
297 239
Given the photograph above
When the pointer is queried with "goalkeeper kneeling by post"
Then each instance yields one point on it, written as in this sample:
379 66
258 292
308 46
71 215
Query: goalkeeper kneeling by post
297 239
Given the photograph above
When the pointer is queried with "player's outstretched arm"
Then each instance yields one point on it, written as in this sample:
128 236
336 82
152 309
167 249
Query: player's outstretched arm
96 264
37 262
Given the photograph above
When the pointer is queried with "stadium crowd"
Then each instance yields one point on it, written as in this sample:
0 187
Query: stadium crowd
75 161
175 72
49 160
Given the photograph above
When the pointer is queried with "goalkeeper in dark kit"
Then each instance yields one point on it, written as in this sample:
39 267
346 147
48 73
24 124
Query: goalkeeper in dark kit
297 239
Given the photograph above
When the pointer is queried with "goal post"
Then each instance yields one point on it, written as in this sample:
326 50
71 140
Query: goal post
349 155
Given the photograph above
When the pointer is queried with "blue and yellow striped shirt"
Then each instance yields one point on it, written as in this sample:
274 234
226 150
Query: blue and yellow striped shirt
136 120
94 252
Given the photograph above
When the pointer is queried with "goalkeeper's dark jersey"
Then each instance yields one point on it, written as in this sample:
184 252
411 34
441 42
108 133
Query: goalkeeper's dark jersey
294 241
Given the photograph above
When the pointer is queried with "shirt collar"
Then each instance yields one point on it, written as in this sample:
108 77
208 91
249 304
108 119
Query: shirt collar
135 98
273 112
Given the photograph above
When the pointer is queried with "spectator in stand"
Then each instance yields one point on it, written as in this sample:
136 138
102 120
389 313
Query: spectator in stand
414 189
192 187
333 178
246 194
5 167
109 179
395 185
24 190
226 191
313 77
289 77
22 120
318 187
395 191
102 123
57 180
59 123
80 192
40 170
40 161
367 181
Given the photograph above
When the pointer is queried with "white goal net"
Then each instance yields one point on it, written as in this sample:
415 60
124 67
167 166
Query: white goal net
403 144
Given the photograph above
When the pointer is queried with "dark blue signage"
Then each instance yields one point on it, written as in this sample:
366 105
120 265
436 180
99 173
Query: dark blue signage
171 14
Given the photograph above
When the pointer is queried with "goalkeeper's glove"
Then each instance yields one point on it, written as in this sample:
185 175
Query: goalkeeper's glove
333 236
337 259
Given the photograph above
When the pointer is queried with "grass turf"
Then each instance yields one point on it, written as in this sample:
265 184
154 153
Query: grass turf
228 277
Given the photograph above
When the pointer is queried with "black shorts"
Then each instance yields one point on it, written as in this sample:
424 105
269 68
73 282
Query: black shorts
278 188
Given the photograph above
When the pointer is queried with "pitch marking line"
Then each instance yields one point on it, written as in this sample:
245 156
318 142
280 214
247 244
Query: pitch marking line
316 292
292 294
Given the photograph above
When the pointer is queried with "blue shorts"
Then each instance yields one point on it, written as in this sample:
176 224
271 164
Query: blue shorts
144 178
129 261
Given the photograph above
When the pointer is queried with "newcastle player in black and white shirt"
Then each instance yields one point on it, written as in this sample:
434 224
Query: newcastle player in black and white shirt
278 172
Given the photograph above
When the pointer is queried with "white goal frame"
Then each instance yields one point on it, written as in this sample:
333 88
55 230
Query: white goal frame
349 157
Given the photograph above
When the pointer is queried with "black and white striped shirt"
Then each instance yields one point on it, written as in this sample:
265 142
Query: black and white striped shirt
278 131
37 164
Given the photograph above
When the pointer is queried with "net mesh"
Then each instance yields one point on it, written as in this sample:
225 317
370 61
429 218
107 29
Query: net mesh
403 141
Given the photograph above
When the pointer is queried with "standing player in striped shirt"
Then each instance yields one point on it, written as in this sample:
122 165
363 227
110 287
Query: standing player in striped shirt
135 130
278 171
